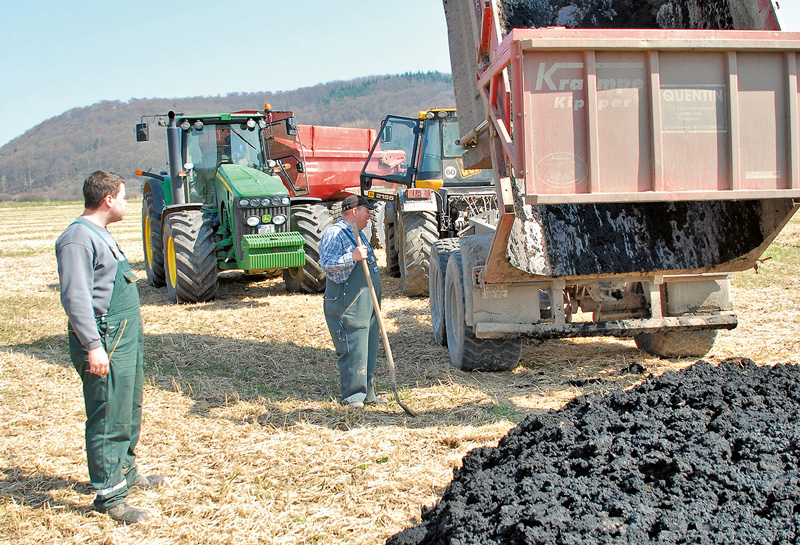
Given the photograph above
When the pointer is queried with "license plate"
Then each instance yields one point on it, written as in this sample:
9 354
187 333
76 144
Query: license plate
264 229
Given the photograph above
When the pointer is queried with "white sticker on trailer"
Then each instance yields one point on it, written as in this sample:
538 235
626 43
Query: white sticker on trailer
495 292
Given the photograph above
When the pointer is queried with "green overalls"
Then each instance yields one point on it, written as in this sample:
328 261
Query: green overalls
354 329
114 402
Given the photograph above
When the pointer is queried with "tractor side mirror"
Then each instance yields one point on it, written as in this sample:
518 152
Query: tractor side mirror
142 132
291 126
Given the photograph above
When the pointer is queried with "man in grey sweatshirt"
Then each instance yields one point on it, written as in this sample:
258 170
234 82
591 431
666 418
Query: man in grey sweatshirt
99 295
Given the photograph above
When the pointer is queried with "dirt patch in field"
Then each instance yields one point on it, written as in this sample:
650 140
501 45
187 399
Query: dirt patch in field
705 455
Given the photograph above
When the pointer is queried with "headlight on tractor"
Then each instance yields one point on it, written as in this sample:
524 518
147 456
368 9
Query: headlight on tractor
279 219
252 221
285 201
244 202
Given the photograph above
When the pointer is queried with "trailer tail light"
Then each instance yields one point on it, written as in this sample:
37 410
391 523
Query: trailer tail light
417 193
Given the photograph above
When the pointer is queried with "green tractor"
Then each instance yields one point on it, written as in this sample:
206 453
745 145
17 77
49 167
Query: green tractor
223 204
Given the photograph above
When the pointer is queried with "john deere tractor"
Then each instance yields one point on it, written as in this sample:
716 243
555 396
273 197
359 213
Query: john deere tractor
222 204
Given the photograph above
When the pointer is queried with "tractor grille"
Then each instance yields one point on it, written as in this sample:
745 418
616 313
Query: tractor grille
241 228
273 211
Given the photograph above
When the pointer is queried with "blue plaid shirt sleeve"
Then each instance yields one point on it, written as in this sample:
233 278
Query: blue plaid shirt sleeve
336 252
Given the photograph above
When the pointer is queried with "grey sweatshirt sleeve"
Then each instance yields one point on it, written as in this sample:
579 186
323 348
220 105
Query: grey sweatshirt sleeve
86 270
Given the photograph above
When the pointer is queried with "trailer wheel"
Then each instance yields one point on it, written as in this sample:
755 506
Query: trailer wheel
152 242
392 256
677 344
419 231
440 253
190 263
310 221
467 352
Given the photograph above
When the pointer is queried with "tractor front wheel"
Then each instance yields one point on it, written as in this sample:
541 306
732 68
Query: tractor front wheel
310 221
392 256
190 263
419 231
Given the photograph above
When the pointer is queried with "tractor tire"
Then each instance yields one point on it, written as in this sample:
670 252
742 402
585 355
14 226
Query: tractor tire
377 233
310 221
419 231
440 254
467 352
190 263
676 343
152 242
392 257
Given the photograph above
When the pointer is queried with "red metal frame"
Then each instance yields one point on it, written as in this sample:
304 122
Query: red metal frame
503 81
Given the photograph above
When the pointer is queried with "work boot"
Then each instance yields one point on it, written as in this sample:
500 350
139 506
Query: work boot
126 514
354 405
378 401
151 481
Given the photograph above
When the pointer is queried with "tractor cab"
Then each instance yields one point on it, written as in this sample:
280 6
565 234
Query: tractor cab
419 153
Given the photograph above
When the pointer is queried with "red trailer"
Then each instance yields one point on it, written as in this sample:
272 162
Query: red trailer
319 162
320 166
634 171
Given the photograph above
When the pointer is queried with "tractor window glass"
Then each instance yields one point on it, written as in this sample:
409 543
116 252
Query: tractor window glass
449 137
430 164
245 147
395 148
201 148
209 147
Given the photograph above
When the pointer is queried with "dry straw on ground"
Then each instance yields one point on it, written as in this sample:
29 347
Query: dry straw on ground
240 411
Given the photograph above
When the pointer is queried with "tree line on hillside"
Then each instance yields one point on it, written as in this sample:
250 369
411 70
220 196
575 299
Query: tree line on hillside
51 160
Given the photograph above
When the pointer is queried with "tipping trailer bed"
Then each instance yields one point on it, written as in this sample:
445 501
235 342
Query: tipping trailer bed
590 117
634 168
332 157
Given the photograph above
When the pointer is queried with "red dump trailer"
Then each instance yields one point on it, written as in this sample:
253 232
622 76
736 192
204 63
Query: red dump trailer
635 169
320 166
330 157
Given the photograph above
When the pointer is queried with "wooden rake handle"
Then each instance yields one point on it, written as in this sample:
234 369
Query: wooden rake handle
382 325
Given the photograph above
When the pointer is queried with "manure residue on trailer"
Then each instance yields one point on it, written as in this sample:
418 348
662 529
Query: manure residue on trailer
709 454
695 14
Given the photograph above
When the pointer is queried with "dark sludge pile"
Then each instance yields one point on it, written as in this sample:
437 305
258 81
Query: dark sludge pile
706 455
697 14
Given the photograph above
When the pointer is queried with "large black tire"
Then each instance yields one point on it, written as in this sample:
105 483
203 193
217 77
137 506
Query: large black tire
440 254
419 231
190 263
152 244
392 257
310 221
676 343
467 352
377 232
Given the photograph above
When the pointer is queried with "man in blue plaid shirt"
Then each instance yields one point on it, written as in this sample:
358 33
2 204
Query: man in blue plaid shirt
348 307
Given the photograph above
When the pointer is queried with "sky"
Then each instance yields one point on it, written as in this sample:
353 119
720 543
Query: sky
63 54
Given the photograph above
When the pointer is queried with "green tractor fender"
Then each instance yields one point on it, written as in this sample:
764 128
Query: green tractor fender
154 187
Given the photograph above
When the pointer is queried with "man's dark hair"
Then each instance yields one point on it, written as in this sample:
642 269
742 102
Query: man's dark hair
98 185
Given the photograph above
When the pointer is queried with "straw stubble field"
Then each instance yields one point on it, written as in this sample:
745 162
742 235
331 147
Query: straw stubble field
240 402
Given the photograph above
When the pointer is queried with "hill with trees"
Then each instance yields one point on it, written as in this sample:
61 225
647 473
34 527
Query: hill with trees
51 160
